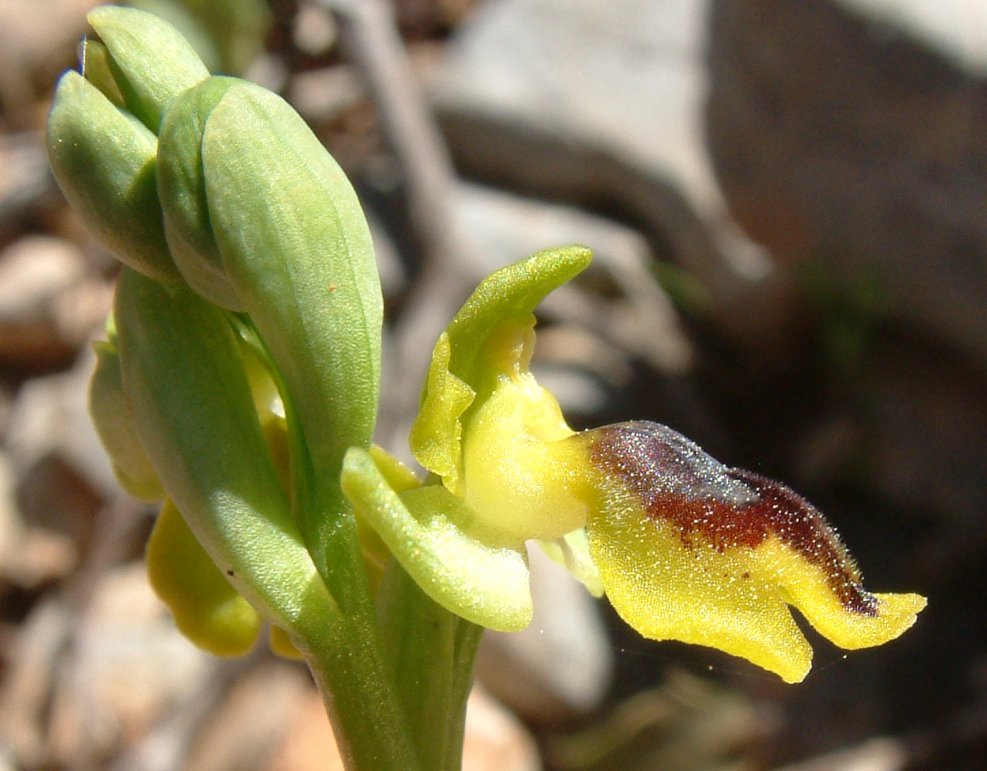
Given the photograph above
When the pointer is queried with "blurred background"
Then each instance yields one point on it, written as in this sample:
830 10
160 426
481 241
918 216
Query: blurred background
788 204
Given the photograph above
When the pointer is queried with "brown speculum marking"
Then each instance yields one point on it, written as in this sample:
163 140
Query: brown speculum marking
681 484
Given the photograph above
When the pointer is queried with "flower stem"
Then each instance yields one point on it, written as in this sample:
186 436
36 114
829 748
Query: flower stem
431 652
372 732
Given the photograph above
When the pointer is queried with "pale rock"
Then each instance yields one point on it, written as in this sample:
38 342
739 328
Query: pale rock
503 227
560 665
11 525
50 417
130 662
843 139
36 41
602 104
35 274
956 29
882 753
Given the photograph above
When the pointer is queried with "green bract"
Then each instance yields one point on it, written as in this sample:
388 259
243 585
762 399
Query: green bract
262 220
194 413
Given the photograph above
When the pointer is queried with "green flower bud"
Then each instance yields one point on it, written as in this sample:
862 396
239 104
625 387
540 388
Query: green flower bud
150 60
111 416
182 189
104 162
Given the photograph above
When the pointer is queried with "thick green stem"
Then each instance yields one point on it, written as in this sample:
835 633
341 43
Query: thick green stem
371 728
361 700
431 651
346 658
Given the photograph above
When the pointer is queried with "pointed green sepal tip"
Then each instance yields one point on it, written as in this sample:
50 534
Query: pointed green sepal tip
510 294
486 583
94 62
150 60
206 608
104 162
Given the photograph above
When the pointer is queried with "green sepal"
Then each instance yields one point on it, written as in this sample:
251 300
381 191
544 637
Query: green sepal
104 162
489 337
94 62
194 413
182 189
111 416
426 529
207 609
376 555
510 294
150 60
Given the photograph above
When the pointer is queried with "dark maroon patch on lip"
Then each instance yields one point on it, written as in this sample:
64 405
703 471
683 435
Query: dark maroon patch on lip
680 483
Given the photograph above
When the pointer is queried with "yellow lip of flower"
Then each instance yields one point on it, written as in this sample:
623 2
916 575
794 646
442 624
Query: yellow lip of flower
692 550
684 547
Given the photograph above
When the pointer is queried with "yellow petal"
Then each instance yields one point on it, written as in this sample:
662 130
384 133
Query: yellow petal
694 551
207 610
519 478
695 595
436 436
281 644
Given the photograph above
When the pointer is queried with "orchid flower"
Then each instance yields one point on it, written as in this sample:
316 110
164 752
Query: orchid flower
239 385
684 547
